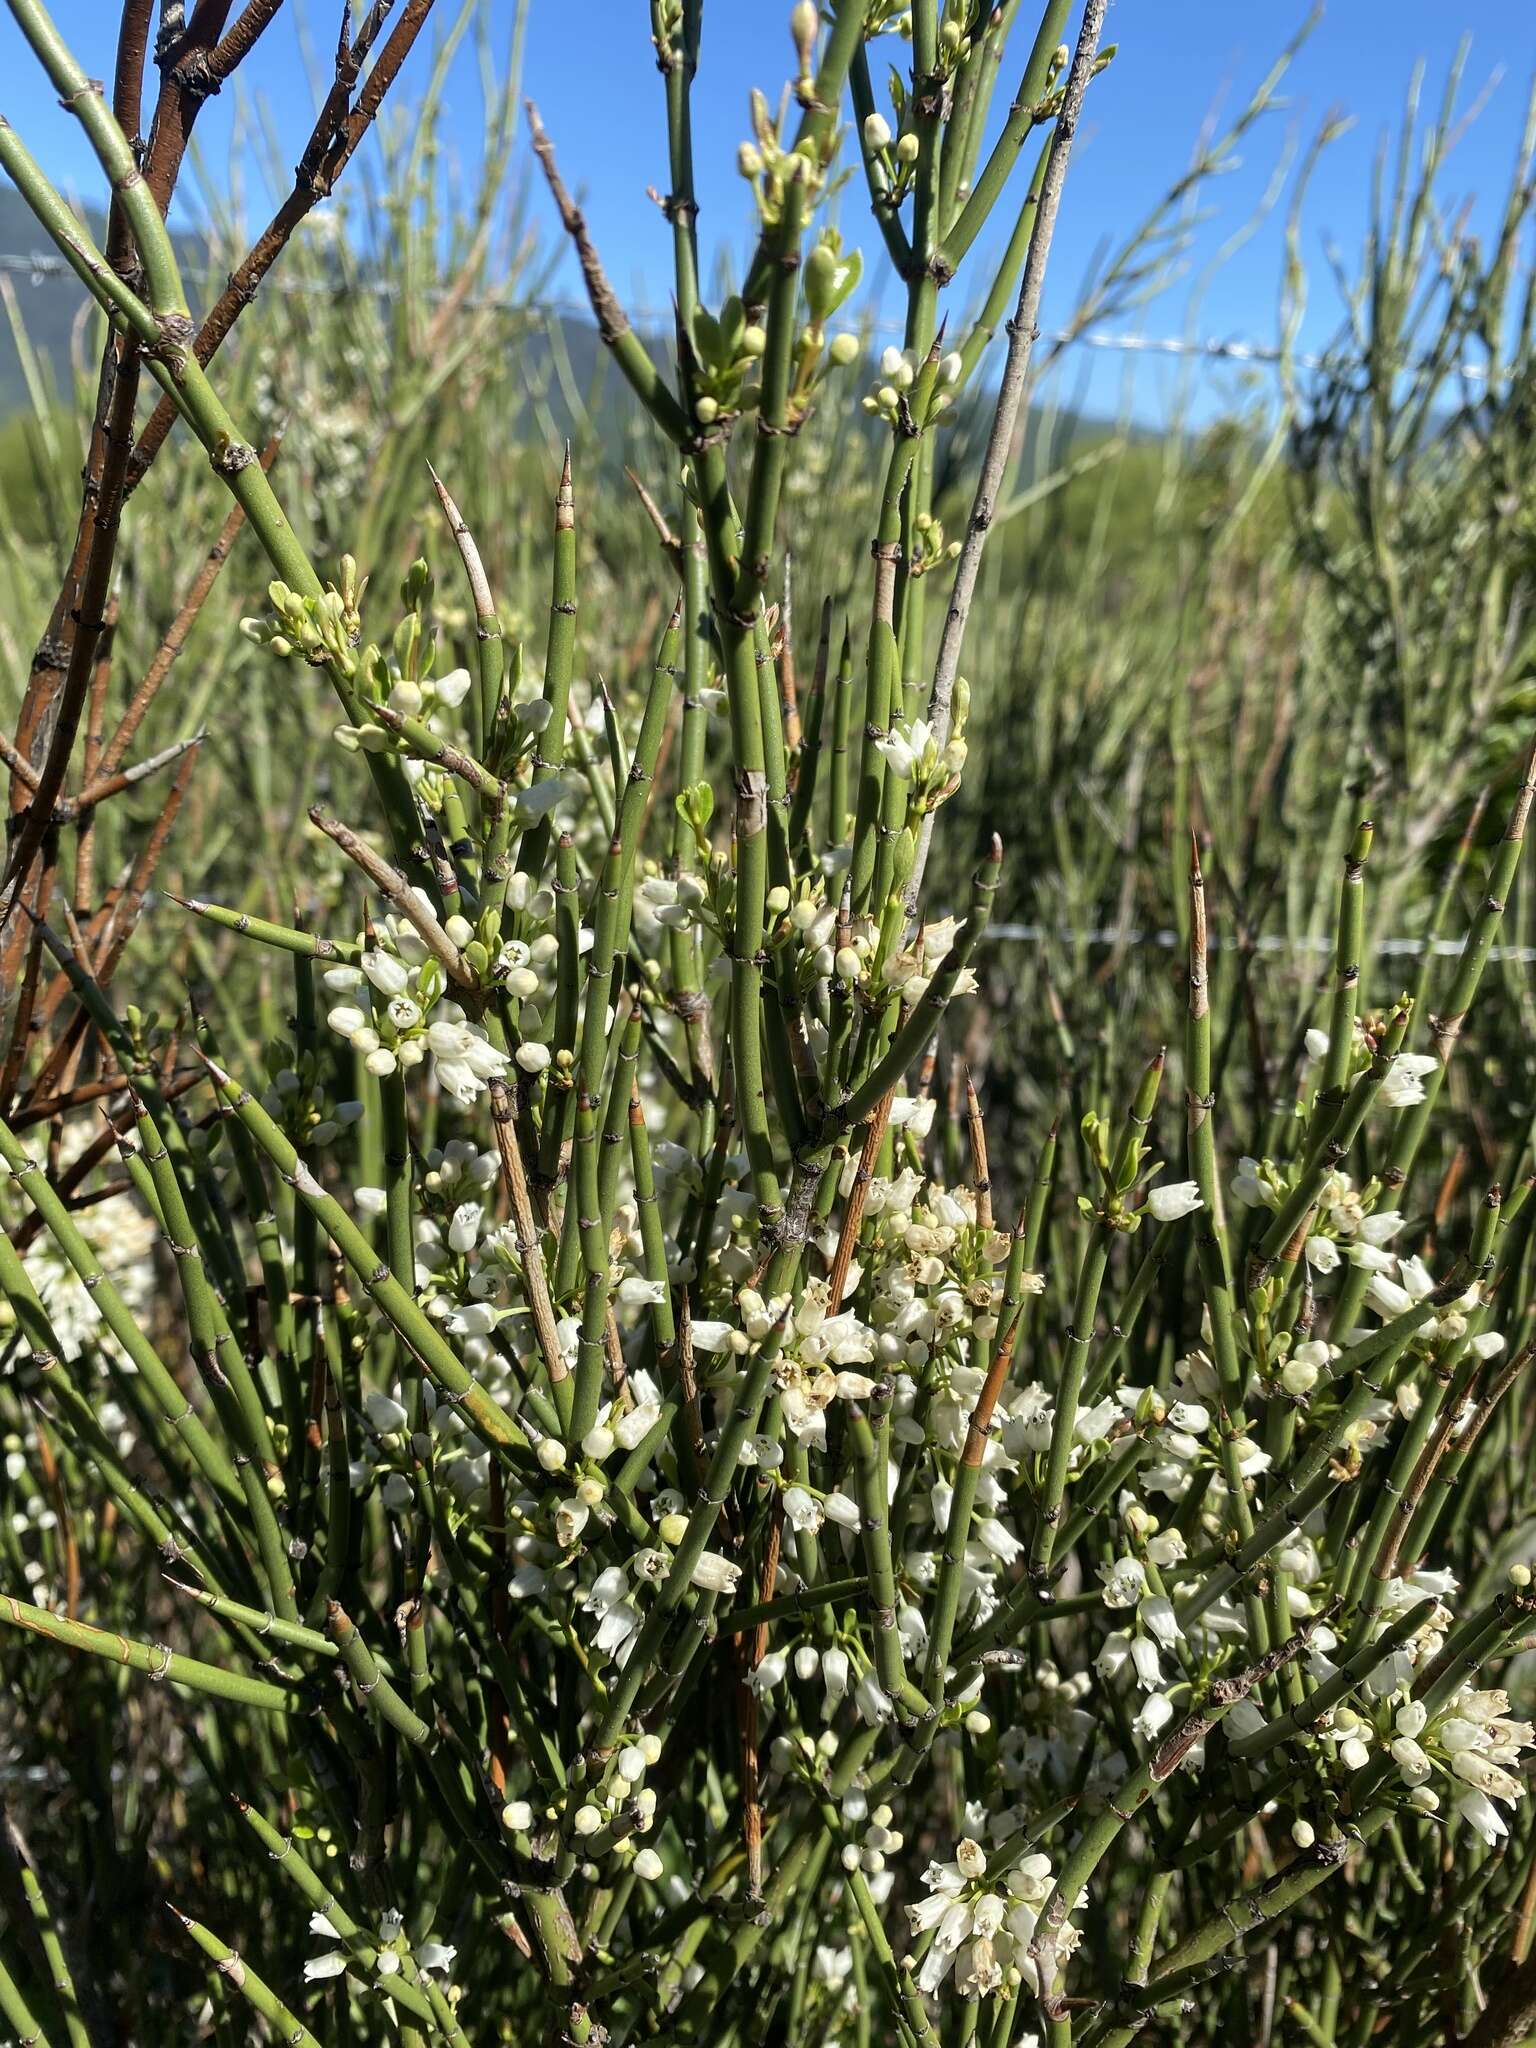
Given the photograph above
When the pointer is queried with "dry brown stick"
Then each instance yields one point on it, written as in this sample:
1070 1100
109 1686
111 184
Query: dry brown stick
52 723
1510 2014
95 720
1022 330
17 762
789 695
440 752
394 888
130 902
750 1652
21 1028
688 1385
975 1131
125 778
991 1388
80 1168
671 545
858 1196
525 1230
469 552
332 143
43 1110
238 43
1434 1452
101 946
63 664
176 634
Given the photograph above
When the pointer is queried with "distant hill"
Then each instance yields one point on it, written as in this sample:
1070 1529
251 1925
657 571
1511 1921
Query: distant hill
50 303
49 300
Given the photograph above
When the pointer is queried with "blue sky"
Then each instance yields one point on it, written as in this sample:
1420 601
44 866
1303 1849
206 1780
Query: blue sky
588 66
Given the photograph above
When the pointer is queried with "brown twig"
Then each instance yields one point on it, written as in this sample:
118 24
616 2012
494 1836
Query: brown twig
333 141
394 888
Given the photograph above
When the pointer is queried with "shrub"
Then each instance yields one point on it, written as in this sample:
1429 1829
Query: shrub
659 1556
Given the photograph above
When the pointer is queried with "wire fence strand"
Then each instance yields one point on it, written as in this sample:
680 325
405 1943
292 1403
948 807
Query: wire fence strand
1215 351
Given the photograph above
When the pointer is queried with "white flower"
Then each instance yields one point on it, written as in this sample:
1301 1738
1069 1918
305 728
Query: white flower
801 1509
386 1415
840 1508
329 1965
346 1018
831 1965
1480 1771
834 1675
1474 1808
1404 1082
452 688
1124 1582
877 132
906 747
632 1429
391 977
539 799
769 1673
1157 1615
1386 1297
1178 1198
712 1337
716 1574
1149 1672
1156 1713
1410 1759
620 1617
873 1703
464 1227
1317 1045
1381 1227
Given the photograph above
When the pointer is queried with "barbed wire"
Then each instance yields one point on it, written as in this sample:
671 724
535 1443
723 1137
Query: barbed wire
39 265
1168 940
